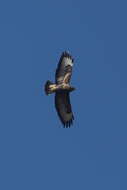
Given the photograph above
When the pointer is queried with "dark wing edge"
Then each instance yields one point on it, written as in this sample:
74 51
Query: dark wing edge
63 69
63 108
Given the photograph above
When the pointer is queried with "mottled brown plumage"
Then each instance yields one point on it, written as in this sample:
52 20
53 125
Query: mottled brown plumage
62 89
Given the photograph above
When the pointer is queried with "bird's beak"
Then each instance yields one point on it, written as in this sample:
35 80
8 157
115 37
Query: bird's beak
73 89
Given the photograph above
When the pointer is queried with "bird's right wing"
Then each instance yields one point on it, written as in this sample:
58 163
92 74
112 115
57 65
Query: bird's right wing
63 107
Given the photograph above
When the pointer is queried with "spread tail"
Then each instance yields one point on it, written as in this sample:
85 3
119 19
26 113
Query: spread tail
47 88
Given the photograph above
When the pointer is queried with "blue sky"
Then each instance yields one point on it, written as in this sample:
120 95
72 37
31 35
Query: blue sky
35 151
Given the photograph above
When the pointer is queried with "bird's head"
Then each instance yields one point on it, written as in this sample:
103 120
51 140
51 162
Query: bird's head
72 88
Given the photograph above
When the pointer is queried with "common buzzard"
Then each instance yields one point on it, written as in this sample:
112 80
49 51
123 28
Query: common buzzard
62 89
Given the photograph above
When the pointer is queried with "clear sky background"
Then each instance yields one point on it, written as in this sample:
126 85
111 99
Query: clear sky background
36 153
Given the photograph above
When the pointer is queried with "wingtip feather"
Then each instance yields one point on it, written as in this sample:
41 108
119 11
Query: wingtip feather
68 124
67 54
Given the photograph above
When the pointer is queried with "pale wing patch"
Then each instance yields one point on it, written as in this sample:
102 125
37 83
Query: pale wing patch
68 61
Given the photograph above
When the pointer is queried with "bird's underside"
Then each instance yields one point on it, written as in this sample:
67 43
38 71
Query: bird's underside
62 89
52 88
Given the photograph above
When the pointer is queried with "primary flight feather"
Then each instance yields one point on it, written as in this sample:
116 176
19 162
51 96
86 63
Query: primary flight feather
62 89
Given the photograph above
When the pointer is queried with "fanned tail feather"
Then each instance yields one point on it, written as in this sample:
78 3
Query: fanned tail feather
47 89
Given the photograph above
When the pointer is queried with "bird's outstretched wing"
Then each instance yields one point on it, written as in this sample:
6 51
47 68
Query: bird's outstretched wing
63 107
64 68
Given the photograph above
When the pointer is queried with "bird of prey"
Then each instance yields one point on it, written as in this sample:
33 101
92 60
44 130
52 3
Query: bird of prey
62 89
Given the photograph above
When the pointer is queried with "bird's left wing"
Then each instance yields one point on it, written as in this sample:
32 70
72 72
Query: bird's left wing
63 107
64 68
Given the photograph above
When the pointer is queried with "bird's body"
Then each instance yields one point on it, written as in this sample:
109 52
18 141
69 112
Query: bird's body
59 87
62 89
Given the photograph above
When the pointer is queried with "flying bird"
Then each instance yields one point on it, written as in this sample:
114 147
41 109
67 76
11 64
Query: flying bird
62 89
